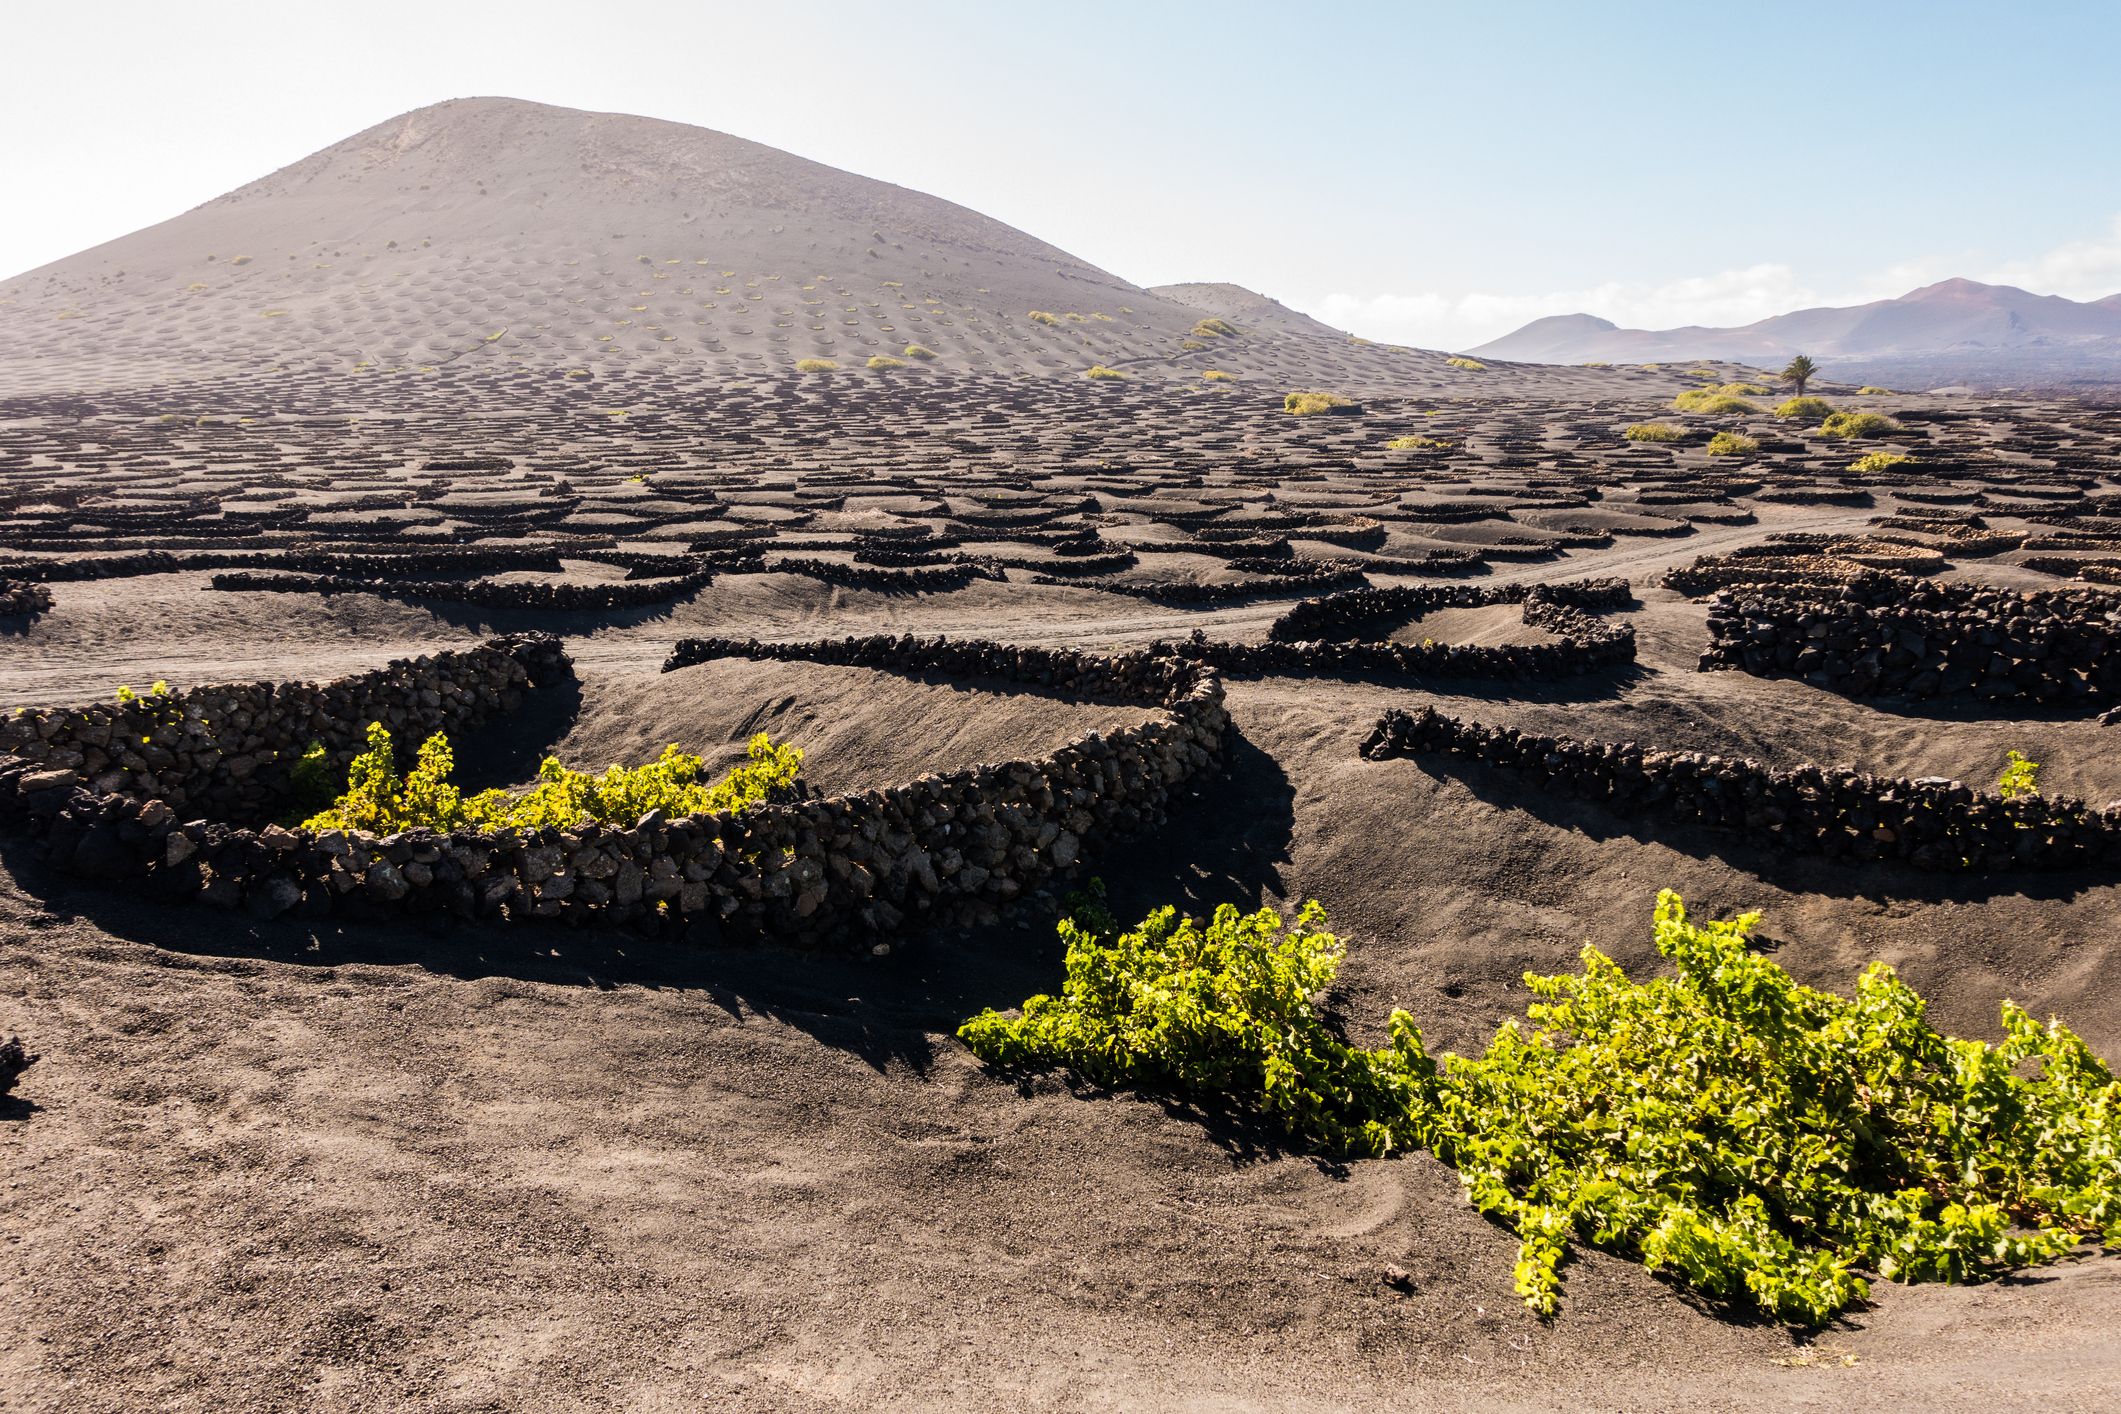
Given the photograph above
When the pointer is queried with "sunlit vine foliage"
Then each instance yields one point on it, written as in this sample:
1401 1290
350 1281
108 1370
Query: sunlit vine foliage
1760 1141
380 801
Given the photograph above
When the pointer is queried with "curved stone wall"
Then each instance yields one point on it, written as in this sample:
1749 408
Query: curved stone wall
955 846
1888 634
1930 823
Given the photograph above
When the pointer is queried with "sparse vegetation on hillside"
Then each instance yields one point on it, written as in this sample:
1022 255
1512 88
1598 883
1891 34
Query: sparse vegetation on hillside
1309 404
1654 432
1417 444
919 351
1098 370
1216 375
1732 444
815 365
883 361
1470 365
1214 329
378 800
1761 1142
1880 461
1041 316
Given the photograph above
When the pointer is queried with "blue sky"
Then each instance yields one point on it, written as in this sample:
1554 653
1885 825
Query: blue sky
1430 173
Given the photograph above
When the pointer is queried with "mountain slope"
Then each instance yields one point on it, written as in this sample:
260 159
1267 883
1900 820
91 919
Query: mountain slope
1954 320
492 229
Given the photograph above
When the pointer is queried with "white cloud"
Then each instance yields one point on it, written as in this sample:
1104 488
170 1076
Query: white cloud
2084 269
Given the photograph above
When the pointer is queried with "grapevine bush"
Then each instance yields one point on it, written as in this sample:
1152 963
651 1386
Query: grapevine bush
1759 1141
2020 778
380 801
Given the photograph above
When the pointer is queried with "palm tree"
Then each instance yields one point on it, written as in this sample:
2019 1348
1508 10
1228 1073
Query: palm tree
1800 372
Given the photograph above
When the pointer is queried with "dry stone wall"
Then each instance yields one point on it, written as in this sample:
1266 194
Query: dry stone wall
956 846
1330 634
18 597
1839 812
483 593
1883 634
227 750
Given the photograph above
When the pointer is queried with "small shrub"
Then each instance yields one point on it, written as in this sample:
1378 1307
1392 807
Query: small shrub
1732 444
1805 410
1881 461
1417 444
1191 345
1216 375
1654 432
2020 778
1040 316
1311 404
379 801
1868 391
815 365
1711 400
1214 329
1470 365
919 351
1844 425
1098 370
1743 390
885 361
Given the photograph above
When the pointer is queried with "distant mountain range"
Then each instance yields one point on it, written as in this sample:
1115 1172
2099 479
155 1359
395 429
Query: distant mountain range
1955 330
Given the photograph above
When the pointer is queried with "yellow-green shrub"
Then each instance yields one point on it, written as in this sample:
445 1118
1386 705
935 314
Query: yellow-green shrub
1867 391
1761 1142
1216 375
920 351
885 361
1417 444
1711 400
1098 370
1732 444
1654 432
381 802
1880 461
1470 365
815 365
1306 404
1805 409
1213 329
1040 316
1843 425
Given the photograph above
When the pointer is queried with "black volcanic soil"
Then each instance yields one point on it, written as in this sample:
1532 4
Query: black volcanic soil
282 1164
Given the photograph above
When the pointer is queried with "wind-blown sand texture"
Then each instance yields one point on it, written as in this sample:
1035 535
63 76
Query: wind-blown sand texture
294 1162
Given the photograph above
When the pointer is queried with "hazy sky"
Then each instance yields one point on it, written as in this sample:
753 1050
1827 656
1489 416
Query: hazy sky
1435 174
